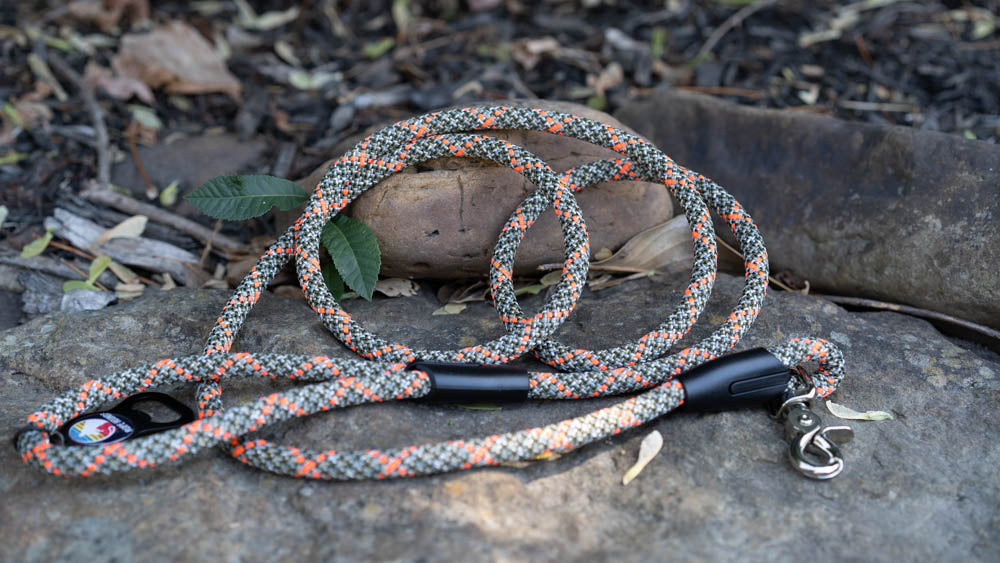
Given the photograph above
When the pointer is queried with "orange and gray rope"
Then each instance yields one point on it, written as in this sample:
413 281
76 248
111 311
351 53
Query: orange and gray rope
334 383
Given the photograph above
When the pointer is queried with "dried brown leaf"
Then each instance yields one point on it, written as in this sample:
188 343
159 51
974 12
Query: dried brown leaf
107 13
611 76
120 87
397 287
653 249
529 52
177 58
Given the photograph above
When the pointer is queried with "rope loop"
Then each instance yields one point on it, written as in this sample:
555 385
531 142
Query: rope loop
644 366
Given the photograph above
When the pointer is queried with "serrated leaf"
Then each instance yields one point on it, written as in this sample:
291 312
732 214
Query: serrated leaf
70 285
333 281
355 253
98 266
847 413
241 197
37 246
648 449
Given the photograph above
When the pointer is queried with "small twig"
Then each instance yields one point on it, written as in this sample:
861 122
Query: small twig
73 249
875 106
979 45
132 206
725 91
915 311
96 115
85 276
731 22
208 243
859 42
770 278
151 189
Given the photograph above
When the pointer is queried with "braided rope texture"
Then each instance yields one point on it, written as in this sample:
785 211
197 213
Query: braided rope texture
643 366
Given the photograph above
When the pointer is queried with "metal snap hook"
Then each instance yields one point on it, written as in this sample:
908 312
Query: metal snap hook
813 449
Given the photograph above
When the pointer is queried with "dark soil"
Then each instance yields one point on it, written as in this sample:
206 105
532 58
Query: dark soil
930 65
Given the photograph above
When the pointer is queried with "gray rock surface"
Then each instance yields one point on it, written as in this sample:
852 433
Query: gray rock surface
922 487
883 212
190 161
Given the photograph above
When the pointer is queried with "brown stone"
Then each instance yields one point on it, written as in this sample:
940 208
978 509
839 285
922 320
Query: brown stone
883 212
441 219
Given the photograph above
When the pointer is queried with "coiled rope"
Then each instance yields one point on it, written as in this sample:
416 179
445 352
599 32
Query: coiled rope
335 383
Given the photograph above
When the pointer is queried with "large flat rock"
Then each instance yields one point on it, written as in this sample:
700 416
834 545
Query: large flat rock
921 487
884 212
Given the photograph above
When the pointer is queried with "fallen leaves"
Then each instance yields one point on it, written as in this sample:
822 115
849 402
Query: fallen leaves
397 287
107 13
249 19
118 87
653 249
650 446
177 58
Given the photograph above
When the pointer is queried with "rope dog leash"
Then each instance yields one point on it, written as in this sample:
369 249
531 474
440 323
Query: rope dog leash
692 376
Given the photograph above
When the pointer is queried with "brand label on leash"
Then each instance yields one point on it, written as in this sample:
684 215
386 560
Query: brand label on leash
100 428
124 421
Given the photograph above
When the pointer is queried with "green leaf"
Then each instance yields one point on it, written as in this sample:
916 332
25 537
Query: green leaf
146 116
597 102
168 195
37 246
355 253
13 157
657 42
333 281
11 112
99 264
236 198
376 49
70 285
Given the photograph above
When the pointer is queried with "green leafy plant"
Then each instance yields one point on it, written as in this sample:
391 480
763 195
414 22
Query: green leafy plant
350 243
97 267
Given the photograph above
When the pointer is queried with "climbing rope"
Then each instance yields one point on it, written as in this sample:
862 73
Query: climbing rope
389 372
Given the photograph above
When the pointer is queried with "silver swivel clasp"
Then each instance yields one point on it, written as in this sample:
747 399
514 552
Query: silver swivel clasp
813 448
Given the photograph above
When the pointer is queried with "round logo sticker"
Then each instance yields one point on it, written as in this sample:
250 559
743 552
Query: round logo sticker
92 430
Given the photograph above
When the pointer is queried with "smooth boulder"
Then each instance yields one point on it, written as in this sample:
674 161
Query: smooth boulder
883 212
441 219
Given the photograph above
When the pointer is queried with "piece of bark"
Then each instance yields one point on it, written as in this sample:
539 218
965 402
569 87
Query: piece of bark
142 252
